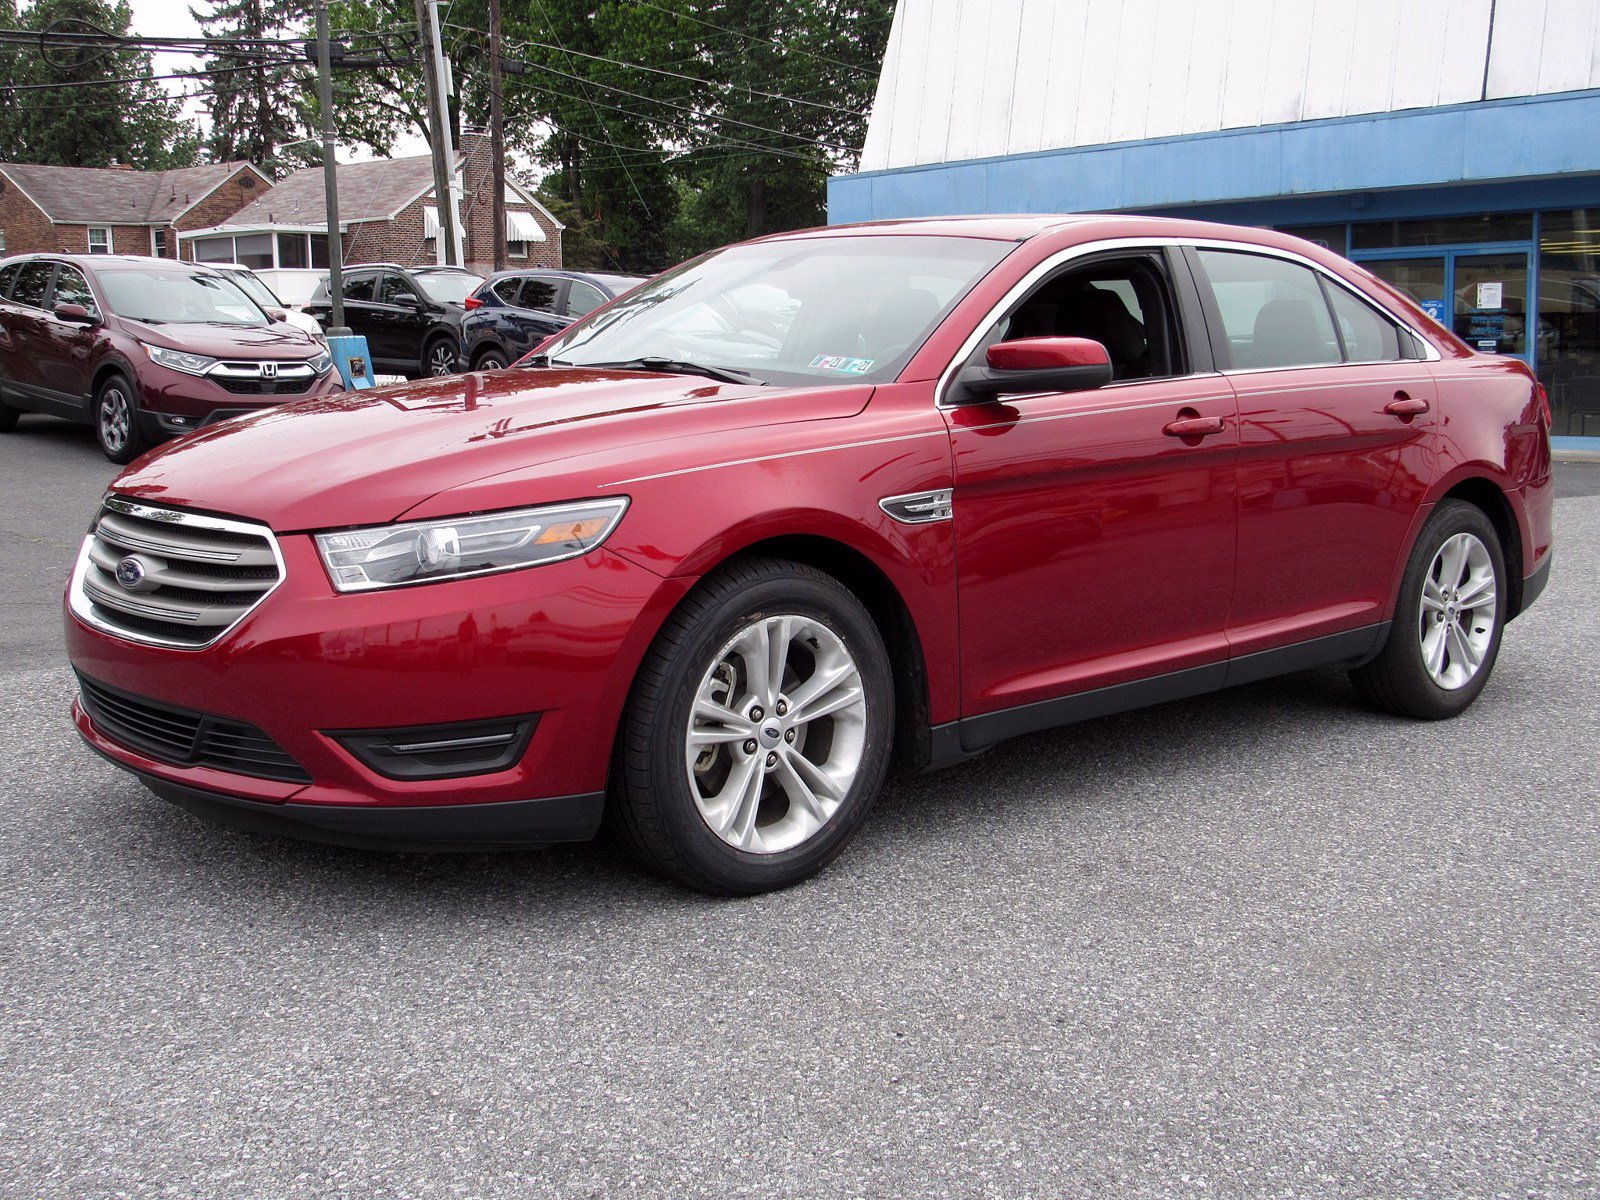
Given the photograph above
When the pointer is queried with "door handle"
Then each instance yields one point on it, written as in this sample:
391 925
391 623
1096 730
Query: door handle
1196 427
1404 406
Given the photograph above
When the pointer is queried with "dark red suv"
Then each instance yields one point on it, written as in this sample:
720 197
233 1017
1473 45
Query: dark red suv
727 542
143 348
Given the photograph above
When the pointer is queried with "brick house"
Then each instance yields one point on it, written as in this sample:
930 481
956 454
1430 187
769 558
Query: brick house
387 213
100 210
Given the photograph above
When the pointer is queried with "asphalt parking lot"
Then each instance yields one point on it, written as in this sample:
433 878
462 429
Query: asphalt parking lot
1260 944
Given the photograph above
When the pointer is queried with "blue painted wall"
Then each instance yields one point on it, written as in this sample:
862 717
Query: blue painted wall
1536 151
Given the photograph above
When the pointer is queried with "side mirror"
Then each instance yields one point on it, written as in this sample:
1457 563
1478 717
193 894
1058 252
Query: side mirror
75 314
405 300
1045 364
276 314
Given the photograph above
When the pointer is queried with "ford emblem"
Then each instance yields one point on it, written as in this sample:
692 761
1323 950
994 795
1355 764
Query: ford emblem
130 572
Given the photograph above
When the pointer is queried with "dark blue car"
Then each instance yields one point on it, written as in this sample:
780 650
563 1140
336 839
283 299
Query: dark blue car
514 311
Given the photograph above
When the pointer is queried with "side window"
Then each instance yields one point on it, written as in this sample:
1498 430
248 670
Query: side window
32 284
539 294
1125 304
583 298
1273 311
360 288
8 277
73 288
1367 336
506 288
393 287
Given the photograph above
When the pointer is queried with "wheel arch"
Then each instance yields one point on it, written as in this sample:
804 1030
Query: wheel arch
1490 499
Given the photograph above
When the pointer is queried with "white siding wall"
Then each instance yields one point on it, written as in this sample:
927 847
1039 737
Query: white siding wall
977 78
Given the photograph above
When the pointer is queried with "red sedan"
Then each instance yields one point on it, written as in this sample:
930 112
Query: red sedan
701 566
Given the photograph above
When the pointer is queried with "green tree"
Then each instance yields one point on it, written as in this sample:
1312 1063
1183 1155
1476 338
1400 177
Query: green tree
89 106
256 108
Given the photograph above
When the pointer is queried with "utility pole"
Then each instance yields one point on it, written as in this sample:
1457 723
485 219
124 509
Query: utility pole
497 138
330 174
439 107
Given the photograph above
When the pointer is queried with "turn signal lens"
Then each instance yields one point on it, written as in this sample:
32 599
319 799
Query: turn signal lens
359 560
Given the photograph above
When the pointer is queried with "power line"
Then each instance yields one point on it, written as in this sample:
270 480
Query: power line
754 38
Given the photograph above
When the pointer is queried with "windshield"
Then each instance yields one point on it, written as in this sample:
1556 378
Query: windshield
174 298
448 288
255 289
792 311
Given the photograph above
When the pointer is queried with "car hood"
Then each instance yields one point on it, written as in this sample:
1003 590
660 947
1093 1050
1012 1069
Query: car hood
360 458
278 340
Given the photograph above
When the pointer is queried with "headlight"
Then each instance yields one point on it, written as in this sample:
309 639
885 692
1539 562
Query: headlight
359 560
180 360
321 362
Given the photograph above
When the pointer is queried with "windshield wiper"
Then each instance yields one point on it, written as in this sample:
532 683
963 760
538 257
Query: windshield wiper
675 366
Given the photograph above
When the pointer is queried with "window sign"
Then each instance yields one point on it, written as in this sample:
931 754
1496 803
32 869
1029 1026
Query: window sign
1491 295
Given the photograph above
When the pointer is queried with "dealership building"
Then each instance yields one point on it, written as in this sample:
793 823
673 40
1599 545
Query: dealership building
1450 146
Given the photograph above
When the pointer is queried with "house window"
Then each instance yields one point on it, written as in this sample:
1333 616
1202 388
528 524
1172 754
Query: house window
521 229
254 250
99 239
292 250
218 249
158 242
2 241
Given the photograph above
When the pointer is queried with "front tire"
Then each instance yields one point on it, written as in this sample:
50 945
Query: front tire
439 359
116 420
758 733
1445 636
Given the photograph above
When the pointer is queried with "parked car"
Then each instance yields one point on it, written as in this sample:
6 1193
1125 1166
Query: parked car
143 348
251 284
513 311
295 286
410 316
992 475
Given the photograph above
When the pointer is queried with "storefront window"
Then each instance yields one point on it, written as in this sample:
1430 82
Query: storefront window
1443 231
1569 318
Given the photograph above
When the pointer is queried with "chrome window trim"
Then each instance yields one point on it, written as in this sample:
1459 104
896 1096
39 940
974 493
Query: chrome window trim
1061 258
79 603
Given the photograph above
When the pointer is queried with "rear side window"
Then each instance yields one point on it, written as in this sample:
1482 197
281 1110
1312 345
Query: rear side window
539 294
359 287
1367 336
583 298
8 276
506 289
1273 311
32 284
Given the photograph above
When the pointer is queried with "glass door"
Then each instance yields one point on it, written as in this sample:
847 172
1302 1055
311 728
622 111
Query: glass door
1423 279
1490 312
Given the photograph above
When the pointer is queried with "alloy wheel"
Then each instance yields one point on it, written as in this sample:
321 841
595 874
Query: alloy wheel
116 419
776 734
441 360
1458 611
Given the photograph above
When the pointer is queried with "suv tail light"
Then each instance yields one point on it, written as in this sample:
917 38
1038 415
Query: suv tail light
473 302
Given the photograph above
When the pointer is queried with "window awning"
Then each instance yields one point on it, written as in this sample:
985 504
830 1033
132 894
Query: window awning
523 227
430 221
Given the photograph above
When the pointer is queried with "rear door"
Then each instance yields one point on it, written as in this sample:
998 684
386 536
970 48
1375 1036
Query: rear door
10 362
360 296
1093 547
1337 424
25 324
537 314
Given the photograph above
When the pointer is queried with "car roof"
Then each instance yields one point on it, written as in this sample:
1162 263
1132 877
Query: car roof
115 262
602 277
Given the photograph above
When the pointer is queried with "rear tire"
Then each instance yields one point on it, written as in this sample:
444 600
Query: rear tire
758 732
1445 636
490 360
116 420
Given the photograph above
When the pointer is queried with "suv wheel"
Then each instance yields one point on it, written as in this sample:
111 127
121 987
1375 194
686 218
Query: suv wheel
1446 631
490 360
440 357
116 420
758 733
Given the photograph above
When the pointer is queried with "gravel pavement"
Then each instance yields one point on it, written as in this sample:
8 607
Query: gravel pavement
1261 944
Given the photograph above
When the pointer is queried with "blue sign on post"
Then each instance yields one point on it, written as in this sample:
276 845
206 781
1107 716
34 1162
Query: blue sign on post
354 362
1435 309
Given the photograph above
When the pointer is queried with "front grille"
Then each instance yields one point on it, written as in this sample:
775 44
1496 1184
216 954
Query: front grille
265 387
185 738
171 577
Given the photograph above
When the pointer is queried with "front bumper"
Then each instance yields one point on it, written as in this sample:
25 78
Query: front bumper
172 403
561 642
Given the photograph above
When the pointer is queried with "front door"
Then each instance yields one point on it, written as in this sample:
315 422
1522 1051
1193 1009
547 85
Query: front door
1093 547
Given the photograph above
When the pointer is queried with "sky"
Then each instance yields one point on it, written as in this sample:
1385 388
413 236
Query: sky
170 18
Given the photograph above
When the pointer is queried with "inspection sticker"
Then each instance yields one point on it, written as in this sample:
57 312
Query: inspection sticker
850 366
